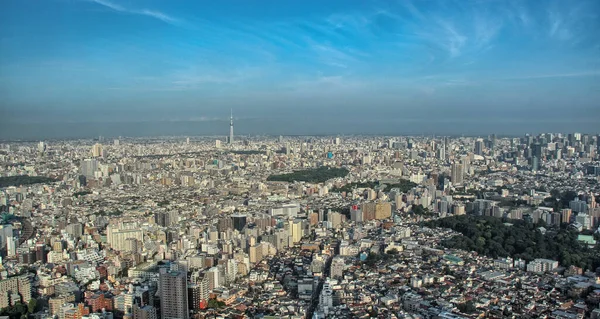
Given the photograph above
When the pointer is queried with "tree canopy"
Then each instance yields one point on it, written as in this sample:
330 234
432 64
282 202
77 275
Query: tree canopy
6 181
491 237
403 185
317 175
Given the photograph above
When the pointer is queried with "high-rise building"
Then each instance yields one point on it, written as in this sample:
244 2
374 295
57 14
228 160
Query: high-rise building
296 230
15 289
231 128
383 210
117 235
441 153
326 298
337 267
97 150
88 167
41 147
239 222
479 146
457 173
535 163
173 295
145 312
368 210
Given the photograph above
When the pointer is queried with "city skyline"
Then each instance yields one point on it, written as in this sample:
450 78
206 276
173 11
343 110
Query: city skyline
84 68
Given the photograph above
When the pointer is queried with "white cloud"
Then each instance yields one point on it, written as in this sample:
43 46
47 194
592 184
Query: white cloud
145 12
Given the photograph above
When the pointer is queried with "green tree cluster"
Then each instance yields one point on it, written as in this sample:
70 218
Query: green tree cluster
81 193
491 237
317 175
6 181
403 185
215 304
467 307
19 310
350 186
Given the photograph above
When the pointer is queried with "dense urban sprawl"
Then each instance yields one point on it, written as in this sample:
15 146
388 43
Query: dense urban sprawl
301 227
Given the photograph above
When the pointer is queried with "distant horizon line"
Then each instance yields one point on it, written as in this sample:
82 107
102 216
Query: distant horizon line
223 136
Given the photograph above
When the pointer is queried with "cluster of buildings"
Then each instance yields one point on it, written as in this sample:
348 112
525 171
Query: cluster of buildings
192 228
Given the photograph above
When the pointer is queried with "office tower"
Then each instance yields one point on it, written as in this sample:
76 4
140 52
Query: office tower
116 142
535 163
337 141
457 173
173 295
11 246
536 150
166 219
441 153
239 221
117 234
231 128
479 146
296 228
6 231
88 167
97 150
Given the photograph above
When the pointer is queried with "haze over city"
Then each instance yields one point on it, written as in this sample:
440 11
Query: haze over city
299 159
71 68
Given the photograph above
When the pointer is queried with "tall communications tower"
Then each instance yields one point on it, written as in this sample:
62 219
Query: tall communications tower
231 128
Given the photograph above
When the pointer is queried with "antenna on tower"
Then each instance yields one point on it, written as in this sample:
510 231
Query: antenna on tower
231 128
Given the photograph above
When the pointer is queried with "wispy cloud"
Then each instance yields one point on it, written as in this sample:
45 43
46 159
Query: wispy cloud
110 5
159 15
486 28
556 75
145 12
557 27
452 40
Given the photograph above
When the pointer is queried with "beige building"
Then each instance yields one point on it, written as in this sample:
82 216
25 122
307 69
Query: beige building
13 290
383 210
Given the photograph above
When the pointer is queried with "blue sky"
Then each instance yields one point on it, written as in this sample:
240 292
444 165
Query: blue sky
342 63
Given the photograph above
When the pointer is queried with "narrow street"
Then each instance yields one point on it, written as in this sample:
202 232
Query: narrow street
317 292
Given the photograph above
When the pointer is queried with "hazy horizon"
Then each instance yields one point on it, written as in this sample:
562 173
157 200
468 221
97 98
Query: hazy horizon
83 68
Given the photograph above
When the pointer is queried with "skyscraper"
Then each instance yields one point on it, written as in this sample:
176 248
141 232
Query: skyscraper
457 173
173 295
97 150
231 128
479 146
239 221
